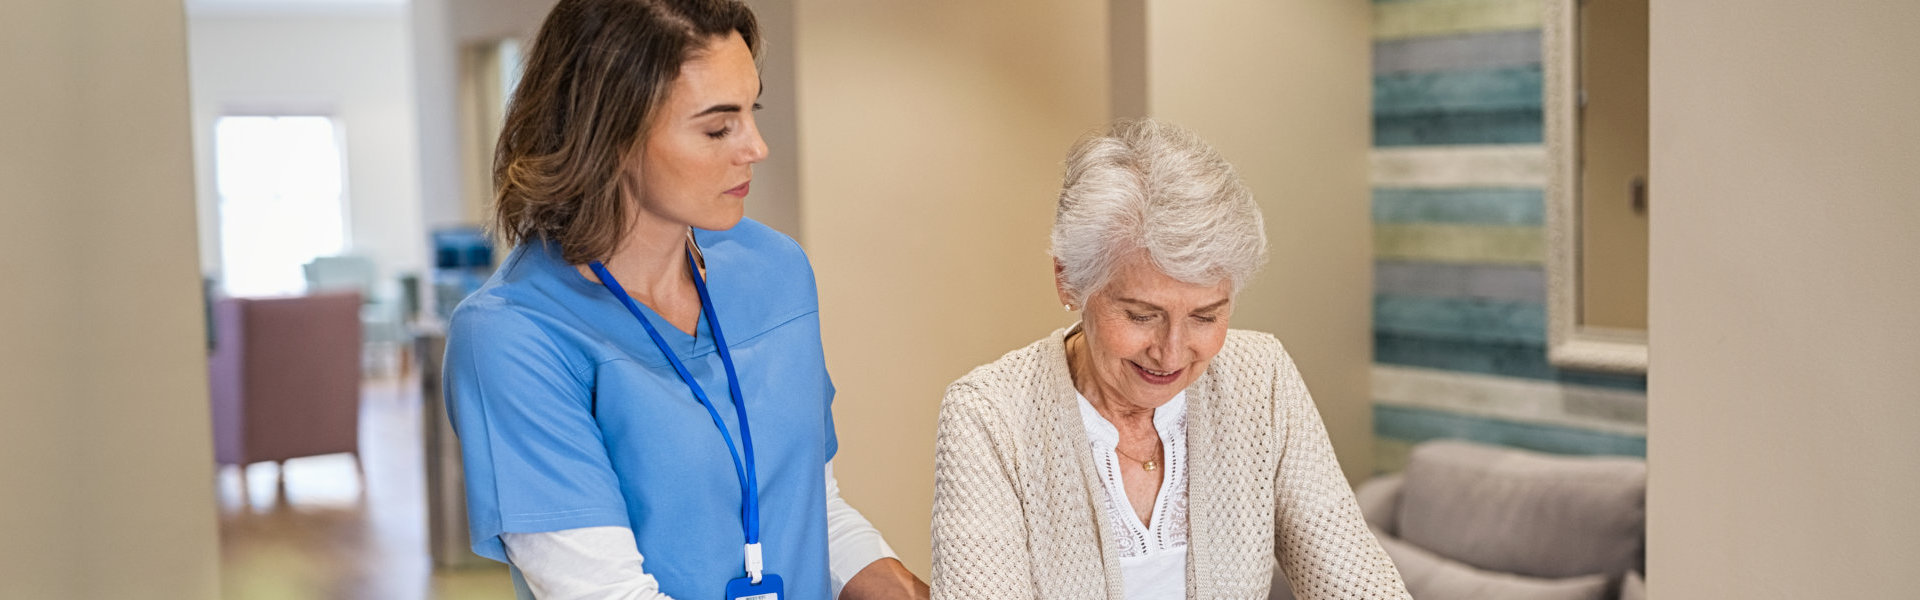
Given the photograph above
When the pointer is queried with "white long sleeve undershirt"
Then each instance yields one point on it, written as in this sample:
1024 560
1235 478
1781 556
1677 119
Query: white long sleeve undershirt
604 562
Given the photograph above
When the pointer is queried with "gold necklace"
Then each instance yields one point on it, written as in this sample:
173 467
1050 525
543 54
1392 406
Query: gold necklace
1149 465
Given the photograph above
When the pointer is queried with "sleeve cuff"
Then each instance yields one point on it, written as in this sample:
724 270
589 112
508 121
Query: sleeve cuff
852 541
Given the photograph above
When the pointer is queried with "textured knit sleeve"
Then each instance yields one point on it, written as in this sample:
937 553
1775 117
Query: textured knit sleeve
1321 539
979 538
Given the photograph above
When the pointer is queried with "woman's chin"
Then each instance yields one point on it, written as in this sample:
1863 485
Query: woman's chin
720 222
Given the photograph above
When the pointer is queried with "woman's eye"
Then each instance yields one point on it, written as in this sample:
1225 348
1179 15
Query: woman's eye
721 133
1139 318
1205 318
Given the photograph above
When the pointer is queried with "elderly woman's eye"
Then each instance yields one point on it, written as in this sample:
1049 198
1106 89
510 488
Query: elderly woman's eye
1139 318
1206 318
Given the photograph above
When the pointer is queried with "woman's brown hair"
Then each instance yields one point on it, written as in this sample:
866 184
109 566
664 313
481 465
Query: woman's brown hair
593 78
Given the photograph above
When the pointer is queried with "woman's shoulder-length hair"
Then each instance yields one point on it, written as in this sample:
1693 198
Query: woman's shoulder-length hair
594 76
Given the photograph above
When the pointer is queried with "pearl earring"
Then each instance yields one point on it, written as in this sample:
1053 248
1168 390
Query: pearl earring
1066 307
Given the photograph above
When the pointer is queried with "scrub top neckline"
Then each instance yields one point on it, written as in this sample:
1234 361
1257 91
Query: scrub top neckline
690 346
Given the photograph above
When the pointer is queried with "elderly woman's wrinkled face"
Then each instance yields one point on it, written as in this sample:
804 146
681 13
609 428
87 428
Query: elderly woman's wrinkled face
1149 335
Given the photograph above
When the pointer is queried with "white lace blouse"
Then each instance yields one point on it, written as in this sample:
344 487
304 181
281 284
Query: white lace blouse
1153 559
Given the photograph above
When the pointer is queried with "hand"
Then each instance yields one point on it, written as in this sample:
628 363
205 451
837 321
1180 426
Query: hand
885 579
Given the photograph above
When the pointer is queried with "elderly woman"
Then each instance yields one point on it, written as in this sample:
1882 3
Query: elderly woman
1147 451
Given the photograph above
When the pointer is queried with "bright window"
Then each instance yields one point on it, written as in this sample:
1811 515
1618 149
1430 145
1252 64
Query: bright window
281 200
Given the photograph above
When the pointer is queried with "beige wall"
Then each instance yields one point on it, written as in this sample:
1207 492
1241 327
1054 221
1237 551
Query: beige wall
106 449
1786 264
775 200
1283 89
931 141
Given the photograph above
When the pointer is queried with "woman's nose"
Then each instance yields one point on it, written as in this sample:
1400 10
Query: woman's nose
756 150
1166 349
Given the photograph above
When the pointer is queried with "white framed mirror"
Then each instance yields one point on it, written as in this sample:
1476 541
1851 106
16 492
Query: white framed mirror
1594 53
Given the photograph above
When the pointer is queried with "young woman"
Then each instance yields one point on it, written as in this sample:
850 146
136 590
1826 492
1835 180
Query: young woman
639 391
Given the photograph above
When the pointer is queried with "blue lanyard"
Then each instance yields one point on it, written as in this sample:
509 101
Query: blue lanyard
749 480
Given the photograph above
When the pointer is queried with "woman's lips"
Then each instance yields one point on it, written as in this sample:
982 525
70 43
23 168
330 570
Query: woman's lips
739 191
1153 377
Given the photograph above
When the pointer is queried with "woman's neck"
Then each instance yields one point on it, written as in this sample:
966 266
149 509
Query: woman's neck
651 264
652 258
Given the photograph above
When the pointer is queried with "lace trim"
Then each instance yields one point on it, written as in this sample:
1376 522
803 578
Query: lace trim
1169 529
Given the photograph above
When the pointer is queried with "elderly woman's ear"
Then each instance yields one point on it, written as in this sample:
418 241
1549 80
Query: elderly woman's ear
1060 285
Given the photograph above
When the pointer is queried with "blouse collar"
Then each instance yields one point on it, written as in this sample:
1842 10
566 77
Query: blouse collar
1102 431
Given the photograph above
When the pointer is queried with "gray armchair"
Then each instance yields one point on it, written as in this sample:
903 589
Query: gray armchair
1468 521
1472 521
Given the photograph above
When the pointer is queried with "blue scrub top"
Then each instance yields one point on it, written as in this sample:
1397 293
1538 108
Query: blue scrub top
568 415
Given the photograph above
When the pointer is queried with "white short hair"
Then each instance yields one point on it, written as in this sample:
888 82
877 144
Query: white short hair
1144 185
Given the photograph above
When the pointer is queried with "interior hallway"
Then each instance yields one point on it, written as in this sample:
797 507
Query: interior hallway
325 535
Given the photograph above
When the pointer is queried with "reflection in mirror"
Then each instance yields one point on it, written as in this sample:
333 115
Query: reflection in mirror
1613 161
1595 55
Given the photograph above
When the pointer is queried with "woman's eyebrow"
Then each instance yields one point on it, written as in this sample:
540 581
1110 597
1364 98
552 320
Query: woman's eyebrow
717 108
1141 303
1145 304
729 108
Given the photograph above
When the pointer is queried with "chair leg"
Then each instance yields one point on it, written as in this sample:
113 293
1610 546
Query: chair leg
280 481
245 494
360 468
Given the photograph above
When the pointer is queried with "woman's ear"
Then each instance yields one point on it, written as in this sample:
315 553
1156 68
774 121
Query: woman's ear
1060 285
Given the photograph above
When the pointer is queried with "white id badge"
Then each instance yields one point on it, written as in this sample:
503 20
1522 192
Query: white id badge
769 588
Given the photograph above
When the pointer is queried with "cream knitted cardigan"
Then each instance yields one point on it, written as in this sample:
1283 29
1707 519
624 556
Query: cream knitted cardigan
1014 511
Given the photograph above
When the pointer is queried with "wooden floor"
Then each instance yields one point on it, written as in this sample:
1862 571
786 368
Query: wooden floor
329 534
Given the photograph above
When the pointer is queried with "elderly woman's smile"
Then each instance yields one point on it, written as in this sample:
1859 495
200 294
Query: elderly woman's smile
1146 336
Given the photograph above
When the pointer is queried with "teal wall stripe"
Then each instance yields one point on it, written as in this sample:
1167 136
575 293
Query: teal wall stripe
1470 206
1477 90
1453 128
1490 50
1512 283
1418 425
1466 319
1488 358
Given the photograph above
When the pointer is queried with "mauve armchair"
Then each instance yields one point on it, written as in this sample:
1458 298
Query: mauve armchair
285 378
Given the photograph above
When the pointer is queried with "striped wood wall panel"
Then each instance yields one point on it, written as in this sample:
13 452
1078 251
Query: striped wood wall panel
1459 308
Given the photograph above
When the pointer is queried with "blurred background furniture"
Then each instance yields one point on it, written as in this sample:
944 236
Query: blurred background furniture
1467 520
447 538
285 378
463 260
382 314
